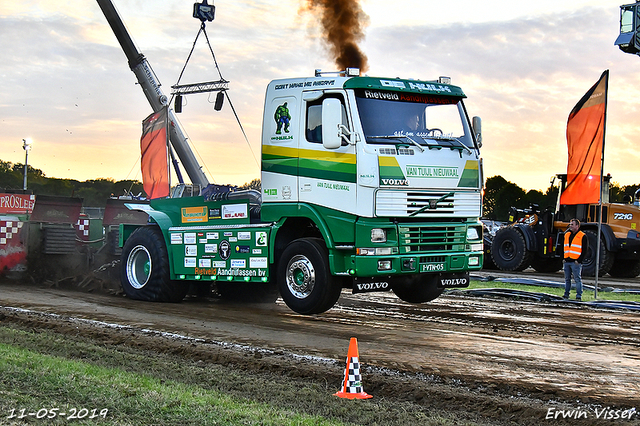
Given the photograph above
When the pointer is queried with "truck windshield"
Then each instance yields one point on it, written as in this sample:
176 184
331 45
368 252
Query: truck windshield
426 120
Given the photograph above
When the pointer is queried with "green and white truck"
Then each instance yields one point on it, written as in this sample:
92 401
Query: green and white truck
368 184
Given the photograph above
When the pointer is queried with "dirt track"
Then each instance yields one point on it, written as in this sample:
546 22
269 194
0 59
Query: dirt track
501 355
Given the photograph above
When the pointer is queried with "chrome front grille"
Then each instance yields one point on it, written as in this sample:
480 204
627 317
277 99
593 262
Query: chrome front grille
428 204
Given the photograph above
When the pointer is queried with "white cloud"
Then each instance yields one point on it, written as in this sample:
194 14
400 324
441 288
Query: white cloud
66 82
523 76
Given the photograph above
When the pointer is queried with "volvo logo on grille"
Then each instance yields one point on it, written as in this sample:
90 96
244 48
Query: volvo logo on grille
433 204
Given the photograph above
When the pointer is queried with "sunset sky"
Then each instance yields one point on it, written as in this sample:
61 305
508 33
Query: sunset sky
66 84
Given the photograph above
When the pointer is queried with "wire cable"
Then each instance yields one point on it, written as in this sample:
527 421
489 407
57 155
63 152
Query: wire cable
226 93
188 58
203 30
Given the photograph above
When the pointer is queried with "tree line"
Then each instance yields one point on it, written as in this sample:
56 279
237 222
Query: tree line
500 195
94 192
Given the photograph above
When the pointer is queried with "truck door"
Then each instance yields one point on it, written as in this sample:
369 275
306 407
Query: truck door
327 176
281 132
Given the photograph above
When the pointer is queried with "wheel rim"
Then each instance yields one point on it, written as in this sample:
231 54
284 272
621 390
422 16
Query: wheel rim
507 250
301 277
138 267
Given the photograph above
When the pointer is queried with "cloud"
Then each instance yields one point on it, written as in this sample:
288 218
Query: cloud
66 82
523 76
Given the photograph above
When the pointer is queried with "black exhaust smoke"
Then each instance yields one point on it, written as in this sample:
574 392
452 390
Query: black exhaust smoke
343 23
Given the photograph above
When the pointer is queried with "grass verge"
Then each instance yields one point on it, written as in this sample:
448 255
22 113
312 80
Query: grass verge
41 369
55 387
587 294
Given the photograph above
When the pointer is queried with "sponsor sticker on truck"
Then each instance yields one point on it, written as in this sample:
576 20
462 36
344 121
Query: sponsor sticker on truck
194 214
234 211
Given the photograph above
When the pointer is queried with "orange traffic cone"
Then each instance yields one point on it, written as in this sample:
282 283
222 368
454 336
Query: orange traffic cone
352 385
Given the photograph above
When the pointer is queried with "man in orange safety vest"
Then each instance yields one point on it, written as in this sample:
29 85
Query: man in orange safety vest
576 244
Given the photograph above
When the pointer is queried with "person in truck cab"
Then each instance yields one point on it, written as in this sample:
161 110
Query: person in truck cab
412 123
576 245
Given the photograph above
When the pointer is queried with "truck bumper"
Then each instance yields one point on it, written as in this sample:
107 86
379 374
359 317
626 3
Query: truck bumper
371 266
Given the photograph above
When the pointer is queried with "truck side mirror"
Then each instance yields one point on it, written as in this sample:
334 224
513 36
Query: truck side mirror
331 121
476 123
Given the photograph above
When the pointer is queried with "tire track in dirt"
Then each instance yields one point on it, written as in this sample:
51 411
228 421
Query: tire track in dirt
544 350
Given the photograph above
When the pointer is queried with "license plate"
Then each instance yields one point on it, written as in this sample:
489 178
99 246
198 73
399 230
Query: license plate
432 267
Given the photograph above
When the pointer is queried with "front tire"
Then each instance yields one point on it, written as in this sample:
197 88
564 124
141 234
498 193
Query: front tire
304 278
144 268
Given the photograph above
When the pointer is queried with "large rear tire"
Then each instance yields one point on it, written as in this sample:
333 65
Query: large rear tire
509 250
589 262
304 278
144 268
416 288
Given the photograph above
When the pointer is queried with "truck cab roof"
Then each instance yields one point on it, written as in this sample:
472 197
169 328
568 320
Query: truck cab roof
371 83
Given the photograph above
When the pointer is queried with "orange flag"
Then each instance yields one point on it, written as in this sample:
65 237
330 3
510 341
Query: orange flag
153 146
585 140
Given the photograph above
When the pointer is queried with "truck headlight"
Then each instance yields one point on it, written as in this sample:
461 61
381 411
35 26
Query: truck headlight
376 251
472 234
378 235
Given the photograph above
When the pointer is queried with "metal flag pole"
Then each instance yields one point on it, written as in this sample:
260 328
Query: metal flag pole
604 131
